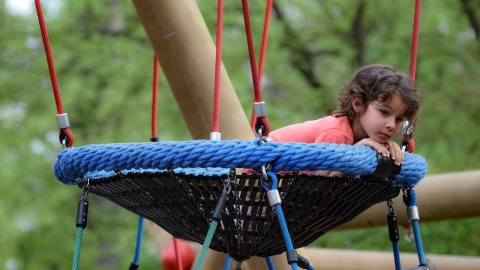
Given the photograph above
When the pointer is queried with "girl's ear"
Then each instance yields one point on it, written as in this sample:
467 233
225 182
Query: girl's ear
357 105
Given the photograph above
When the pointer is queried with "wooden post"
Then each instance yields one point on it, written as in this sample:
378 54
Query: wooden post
186 51
439 197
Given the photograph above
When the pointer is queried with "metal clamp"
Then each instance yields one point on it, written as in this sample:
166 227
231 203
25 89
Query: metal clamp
412 213
215 136
274 197
260 109
62 121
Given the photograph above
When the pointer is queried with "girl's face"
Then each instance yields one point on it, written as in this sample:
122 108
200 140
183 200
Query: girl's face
380 121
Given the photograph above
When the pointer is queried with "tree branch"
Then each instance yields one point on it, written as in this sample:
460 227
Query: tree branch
302 57
358 34
469 9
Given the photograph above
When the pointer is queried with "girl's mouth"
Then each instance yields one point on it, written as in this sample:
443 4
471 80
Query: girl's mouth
384 136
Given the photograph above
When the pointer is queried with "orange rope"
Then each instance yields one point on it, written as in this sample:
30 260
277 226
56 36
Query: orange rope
48 54
154 137
263 53
251 50
218 66
178 255
65 134
416 26
407 139
263 48
261 122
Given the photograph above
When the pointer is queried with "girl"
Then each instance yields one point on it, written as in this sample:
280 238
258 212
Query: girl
373 106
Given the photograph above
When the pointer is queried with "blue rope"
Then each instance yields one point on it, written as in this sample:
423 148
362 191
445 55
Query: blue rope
418 242
206 244
416 230
228 262
396 255
138 247
270 264
281 218
100 161
286 234
78 248
392 223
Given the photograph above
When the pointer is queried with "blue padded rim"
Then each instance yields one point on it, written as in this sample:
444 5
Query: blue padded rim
99 161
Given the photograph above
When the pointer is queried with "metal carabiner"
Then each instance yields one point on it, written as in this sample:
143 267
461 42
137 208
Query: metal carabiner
260 137
85 188
228 182
390 206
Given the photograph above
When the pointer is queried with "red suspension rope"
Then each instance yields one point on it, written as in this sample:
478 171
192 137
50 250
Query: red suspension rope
48 54
218 66
154 137
416 26
407 141
263 53
263 48
65 134
408 144
261 121
251 50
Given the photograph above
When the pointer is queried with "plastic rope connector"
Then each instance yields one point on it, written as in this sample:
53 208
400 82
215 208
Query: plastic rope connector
133 266
82 213
386 167
303 262
217 213
292 256
392 221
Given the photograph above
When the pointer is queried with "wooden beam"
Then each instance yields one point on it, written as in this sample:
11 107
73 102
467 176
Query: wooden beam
439 197
339 259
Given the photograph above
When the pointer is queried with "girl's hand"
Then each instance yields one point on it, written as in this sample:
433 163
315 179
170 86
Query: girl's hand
395 153
389 149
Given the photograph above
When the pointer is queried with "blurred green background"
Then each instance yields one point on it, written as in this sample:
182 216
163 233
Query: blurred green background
104 66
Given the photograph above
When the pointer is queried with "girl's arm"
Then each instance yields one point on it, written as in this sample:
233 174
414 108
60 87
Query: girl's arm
388 149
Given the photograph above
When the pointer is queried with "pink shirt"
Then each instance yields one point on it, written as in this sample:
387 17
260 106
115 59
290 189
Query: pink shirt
329 129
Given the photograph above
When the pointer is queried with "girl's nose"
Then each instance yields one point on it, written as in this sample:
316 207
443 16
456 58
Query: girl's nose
390 124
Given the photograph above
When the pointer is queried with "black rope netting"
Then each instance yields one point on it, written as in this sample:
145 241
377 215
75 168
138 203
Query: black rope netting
182 204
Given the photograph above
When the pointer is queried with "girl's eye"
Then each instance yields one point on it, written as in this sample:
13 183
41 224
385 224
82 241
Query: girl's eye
399 120
383 112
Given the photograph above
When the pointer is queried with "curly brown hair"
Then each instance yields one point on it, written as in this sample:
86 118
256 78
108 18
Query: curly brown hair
379 83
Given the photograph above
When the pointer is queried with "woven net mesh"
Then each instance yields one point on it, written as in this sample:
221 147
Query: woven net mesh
182 204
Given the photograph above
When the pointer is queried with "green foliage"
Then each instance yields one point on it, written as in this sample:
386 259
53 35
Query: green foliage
104 62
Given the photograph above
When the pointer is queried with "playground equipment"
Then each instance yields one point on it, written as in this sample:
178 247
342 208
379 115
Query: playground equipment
146 174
